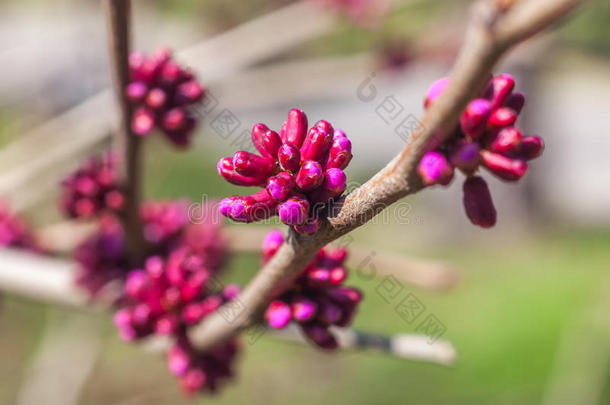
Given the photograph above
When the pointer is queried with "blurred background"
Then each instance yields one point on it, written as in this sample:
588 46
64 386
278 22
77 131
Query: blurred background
528 316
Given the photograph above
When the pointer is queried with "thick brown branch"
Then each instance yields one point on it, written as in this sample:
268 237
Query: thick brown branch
127 145
491 32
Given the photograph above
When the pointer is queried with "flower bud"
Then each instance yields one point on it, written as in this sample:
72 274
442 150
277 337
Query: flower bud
478 203
310 175
280 186
142 121
272 143
294 211
501 117
189 92
474 118
333 186
435 90
506 141
530 148
503 167
435 169
225 169
303 309
515 101
193 380
272 243
318 277
338 275
289 157
498 90
340 152
278 314
316 144
329 313
135 284
320 335
136 91
178 360
174 119
156 98
166 325
251 165
465 155
258 131
296 128
310 227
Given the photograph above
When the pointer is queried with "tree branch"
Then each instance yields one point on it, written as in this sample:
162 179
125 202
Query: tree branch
492 31
126 143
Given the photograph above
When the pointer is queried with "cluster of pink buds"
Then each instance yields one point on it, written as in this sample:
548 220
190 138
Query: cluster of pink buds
301 170
161 92
317 299
14 232
92 189
198 371
486 136
163 220
166 297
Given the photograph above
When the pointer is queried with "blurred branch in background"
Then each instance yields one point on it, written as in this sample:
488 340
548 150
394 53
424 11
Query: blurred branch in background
51 280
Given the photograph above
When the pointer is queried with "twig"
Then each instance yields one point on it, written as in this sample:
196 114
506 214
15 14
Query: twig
127 144
491 32
50 280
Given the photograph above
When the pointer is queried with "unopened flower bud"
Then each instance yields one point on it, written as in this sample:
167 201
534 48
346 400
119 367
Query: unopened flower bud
506 141
503 167
280 186
478 203
289 157
294 211
142 121
296 128
465 155
501 117
278 314
474 118
435 169
316 144
435 90
530 148
498 89
310 175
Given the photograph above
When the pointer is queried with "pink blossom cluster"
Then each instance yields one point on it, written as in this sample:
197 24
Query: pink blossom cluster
14 231
318 299
161 92
93 188
165 298
300 171
486 137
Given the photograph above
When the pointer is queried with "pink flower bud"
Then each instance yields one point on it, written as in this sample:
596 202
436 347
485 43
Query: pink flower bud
231 291
258 131
316 144
251 165
156 98
503 167
435 90
193 380
272 243
278 314
303 309
166 325
193 313
136 91
338 275
310 227
336 256
506 141
340 152
498 89
501 117
333 186
142 121
189 92
225 169
318 277
515 101
272 143
294 211
289 157
345 295
530 148
320 335
114 200
329 313
256 207
296 128
170 74
174 119
325 126
280 186
478 203
135 284
310 175
465 155
178 361
474 118
435 169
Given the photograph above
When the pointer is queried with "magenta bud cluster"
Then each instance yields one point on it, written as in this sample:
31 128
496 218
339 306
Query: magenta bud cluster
161 93
93 188
15 232
299 170
317 299
198 372
486 137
